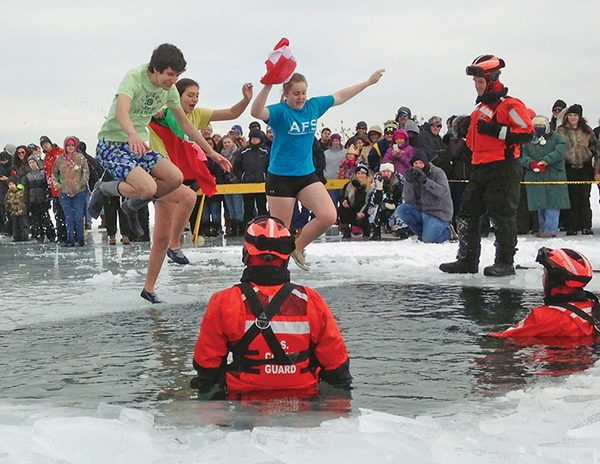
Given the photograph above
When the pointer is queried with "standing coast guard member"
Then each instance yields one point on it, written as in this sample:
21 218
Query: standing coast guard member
282 336
499 125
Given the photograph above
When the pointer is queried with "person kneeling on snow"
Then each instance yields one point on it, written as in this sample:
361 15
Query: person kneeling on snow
282 336
385 195
427 208
568 311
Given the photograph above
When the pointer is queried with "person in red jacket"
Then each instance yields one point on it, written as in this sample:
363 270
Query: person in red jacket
569 312
498 127
282 336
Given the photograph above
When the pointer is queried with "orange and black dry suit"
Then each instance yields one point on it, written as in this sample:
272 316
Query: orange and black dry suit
574 315
495 180
282 336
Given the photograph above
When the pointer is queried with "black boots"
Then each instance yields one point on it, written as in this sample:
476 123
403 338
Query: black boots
499 270
460 266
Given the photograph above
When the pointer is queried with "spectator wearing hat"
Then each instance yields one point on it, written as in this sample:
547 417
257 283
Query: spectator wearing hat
325 140
334 156
236 130
37 198
352 210
543 160
363 147
400 153
373 135
254 125
361 130
250 166
582 155
557 114
51 152
413 133
384 196
16 209
429 139
403 115
380 148
348 166
427 207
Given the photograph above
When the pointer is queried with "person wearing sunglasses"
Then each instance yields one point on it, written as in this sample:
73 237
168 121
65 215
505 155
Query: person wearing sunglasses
429 139
557 114
499 125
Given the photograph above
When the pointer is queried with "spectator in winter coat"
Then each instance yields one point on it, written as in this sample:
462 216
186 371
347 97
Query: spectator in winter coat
400 153
569 314
582 156
413 133
374 135
558 108
348 166
51 152
5 173
234 201
70 175
427 207
361 131
429 137
334 156
37 198
544 161
16 209
353 203
325 140
20 163
251 167
385 195
380 148
403 115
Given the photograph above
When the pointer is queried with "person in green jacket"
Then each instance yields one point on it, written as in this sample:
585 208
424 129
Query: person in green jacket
544 161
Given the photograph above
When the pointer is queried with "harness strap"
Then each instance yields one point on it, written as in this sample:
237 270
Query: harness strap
593 319
262 326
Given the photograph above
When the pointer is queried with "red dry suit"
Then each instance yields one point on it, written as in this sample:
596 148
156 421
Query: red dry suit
49 160
295 347
508 111
559 320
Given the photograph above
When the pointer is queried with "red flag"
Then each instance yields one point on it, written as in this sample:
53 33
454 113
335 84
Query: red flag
184 156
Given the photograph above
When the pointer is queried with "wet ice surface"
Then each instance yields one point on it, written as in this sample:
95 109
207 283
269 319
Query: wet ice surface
93 373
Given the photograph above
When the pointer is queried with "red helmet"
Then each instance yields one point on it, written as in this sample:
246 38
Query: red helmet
268 238
565 267
487 66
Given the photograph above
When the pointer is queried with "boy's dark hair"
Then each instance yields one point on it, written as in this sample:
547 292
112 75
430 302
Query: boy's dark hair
167 56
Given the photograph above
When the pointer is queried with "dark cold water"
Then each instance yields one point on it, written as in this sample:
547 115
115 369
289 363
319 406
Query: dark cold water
415 349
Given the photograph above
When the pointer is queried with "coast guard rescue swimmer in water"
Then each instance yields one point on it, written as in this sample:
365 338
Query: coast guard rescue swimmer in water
282 336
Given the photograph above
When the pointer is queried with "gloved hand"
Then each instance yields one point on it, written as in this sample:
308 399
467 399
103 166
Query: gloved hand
409 175
378 184
420 175
202 385
538 166
492 128
389 205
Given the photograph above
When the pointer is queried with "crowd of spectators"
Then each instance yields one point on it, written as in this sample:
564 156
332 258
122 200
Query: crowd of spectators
403 179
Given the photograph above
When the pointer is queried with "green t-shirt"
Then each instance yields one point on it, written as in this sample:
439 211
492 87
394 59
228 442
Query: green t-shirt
146 100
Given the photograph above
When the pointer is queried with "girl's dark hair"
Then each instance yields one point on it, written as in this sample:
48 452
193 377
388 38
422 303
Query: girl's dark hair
581 124
167 56
17 163
184 83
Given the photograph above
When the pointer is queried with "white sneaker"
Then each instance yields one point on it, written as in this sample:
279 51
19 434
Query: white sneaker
299 259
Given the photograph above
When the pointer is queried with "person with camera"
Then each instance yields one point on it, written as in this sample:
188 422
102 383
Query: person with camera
427 208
